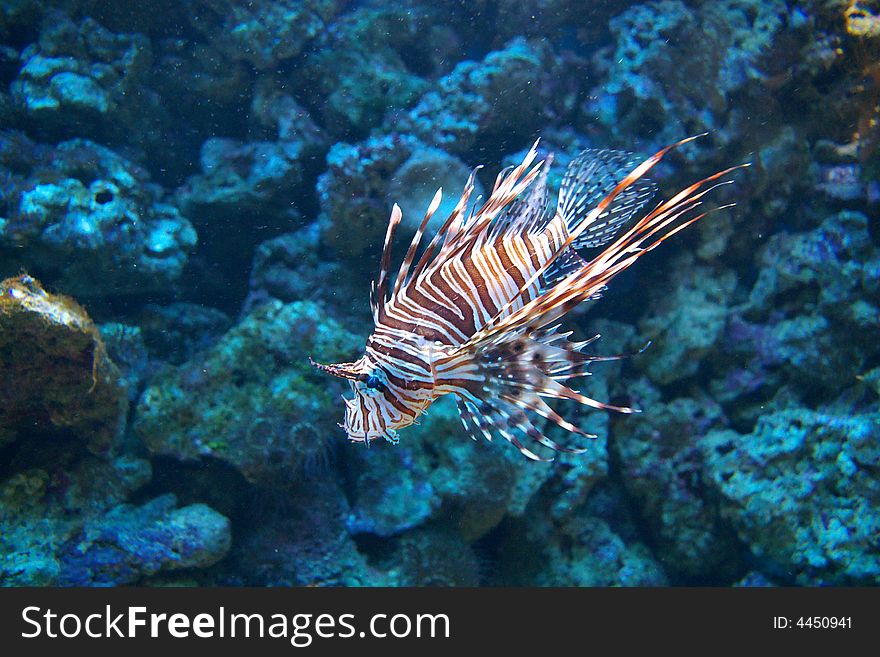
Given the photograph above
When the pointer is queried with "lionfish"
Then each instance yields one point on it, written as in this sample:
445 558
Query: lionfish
474 316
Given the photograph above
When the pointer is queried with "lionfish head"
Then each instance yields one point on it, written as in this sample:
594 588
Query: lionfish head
370 414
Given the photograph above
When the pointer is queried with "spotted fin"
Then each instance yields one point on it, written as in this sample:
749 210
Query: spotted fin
528 213
515 374
564 265
590 178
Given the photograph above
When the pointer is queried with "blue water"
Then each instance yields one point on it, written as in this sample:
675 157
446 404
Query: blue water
193 201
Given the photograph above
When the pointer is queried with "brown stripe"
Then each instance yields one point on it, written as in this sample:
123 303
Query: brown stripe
395 323
464 300
398 405
443 286
398 354
532 248
411 326
480 281
410 385
465 385
432 307
380 419
510 267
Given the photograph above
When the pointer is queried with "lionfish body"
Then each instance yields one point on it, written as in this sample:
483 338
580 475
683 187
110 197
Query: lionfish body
472 316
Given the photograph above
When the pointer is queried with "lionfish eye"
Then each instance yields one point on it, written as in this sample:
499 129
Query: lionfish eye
374 382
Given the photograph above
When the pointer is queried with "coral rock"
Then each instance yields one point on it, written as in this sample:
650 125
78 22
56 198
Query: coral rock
129 543
252 399
799 490
56 372
76 76
263 32
83 205
474 104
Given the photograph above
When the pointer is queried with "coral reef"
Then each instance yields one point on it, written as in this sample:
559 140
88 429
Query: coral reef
129 543
392 492
90 221
863 18
437 474
125 346
43 508
353 193
432 557
650 88
801 492
376 173
307 546
71 527
176 332
265 32
290 268
805 327
252 399
416 181
361 75
688 321
63 485
243 178
661 467
473 105
583 550
77 75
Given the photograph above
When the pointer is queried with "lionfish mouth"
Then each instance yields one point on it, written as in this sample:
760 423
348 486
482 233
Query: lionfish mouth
342 370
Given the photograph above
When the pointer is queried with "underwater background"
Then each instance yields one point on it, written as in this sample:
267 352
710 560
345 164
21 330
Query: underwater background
193 198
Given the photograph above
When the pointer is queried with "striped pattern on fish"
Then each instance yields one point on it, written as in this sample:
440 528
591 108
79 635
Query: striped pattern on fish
475 315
